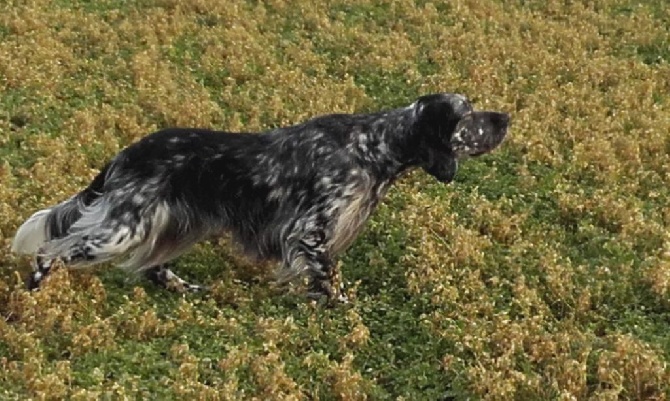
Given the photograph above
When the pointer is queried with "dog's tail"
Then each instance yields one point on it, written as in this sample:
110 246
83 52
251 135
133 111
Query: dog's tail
54 222
46 225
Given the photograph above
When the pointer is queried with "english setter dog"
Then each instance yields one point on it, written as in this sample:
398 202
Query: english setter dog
298 195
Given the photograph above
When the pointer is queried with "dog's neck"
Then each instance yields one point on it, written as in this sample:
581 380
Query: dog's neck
389 142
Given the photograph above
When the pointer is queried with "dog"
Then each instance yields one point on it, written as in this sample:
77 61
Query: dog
298 195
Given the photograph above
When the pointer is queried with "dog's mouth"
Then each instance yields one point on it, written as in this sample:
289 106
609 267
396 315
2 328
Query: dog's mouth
479 133
483 152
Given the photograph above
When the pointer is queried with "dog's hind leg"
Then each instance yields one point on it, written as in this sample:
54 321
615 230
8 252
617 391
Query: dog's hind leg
91 246
163 276
103 234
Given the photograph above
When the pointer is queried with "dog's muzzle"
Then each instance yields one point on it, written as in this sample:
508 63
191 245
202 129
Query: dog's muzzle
479 132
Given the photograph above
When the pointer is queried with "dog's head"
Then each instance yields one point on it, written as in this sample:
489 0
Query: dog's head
449 129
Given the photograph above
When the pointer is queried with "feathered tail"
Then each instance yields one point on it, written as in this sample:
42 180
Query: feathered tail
54 222
45 225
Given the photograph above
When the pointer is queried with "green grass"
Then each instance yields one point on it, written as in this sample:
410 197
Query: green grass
542 272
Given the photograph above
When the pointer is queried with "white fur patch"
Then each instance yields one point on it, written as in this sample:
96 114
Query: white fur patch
149 252
32 234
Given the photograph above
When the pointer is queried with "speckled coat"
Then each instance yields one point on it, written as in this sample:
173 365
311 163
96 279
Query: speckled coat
298 194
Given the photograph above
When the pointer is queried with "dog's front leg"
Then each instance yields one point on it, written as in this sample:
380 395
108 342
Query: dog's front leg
322 284
309 255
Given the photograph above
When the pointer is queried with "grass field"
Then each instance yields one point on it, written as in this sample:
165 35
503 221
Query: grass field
541 273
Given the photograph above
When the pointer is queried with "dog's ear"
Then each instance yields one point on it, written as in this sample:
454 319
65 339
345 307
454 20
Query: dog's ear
442 166
439 113
436 117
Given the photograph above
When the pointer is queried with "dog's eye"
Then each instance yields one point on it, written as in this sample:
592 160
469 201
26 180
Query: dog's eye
461 105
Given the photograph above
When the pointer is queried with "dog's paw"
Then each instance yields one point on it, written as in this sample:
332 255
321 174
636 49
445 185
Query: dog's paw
325 294
33 281
342 296
188 287
164 277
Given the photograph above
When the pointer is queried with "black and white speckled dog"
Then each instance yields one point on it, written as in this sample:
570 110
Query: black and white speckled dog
298 194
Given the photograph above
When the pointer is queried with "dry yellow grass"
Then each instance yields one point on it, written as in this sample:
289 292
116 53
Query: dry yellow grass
542 273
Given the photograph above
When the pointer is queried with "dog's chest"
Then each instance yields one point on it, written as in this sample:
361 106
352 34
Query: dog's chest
355 207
